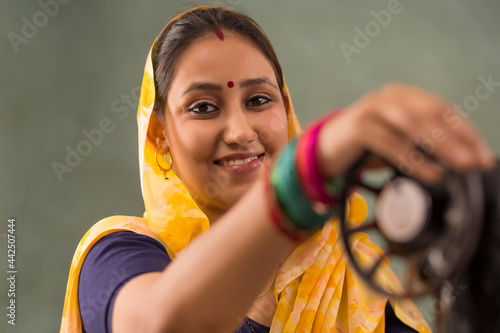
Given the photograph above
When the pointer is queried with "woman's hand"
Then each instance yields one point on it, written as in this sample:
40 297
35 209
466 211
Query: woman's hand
397 123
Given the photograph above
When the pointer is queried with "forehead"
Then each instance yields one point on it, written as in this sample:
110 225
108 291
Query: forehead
213 59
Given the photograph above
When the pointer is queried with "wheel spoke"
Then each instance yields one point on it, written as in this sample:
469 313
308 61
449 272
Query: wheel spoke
411 270
365 227
370 188
375 266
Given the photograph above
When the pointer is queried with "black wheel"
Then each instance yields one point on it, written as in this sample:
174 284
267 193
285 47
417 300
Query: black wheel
433 230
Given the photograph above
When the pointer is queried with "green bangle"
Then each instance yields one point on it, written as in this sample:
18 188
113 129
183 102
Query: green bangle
290 194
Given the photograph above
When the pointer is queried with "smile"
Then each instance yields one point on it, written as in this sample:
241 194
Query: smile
240 164
237 160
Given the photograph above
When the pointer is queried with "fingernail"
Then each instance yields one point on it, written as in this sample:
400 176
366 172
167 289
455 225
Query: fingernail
463 158
433 173
489 161
488 158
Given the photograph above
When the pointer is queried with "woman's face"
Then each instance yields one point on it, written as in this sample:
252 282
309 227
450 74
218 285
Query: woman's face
224 118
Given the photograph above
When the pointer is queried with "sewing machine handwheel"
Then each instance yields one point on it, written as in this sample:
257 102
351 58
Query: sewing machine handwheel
432 230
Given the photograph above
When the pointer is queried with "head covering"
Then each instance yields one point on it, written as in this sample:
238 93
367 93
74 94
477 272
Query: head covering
171 211
315 289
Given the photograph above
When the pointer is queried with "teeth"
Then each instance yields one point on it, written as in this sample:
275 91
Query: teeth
239 162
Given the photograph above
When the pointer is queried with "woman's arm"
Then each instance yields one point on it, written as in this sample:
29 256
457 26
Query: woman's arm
219 275
214 281
391 122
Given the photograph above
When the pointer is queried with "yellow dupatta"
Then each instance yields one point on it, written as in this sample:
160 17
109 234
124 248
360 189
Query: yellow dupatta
315 289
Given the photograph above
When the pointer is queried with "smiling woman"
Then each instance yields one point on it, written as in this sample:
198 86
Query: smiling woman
214 132
240 232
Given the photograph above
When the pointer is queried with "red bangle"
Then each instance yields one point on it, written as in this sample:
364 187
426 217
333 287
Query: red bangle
311 180
308 168
278 217
302 167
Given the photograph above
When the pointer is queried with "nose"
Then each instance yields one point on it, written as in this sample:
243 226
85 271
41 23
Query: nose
238 128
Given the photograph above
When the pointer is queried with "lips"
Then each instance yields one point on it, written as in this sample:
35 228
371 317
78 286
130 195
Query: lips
238 159
240 164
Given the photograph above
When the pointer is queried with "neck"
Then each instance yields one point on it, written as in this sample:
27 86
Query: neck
213 215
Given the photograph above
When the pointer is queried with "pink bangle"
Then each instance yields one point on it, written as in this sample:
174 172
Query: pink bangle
307 161
302 167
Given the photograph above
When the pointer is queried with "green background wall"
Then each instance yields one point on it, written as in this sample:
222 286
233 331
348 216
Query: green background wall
85 60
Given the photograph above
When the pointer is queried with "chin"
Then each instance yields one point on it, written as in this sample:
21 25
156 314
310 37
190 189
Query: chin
231 197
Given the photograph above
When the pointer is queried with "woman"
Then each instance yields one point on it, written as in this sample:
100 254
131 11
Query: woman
215 104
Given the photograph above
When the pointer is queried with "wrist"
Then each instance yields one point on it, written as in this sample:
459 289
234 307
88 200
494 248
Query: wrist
301 200
338 145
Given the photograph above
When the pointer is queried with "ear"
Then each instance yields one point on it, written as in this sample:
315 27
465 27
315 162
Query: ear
156 136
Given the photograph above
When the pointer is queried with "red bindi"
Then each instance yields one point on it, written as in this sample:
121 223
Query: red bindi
219 33
230 84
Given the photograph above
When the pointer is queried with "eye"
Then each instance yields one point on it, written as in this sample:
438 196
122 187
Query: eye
259 100
203 107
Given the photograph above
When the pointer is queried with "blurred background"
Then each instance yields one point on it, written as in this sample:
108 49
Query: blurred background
67 66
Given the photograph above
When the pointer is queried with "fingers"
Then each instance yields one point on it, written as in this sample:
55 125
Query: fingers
400 151
471 140
399 123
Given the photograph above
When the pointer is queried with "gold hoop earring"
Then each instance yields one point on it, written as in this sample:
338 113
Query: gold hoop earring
162 169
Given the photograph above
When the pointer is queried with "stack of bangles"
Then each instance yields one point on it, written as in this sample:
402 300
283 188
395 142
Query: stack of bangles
300 200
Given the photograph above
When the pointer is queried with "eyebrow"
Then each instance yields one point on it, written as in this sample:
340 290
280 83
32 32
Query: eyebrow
203 86
256 81
218 87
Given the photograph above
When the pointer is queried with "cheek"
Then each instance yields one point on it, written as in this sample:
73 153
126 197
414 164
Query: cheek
193 143
273 130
